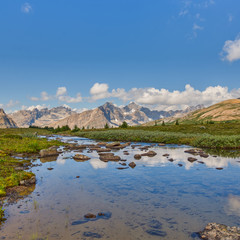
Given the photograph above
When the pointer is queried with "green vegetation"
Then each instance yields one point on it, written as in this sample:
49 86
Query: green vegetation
124 125
11 177
24 143
215 136
76 129
2 214
18 141
61 129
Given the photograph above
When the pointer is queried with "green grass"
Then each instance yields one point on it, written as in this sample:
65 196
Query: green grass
18 141
26 142
2 214
214 136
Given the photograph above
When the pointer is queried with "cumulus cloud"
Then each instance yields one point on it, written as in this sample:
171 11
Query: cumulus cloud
231 50
172 99
99 91
44 97
10 104
61 95
26 8
61 91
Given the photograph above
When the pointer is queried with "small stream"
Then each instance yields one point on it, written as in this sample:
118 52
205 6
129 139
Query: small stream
158 199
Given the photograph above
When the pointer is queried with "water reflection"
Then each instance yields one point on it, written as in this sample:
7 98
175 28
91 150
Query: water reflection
155 199
96 163
233 206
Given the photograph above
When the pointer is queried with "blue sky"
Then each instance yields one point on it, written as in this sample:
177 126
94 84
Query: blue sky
160 53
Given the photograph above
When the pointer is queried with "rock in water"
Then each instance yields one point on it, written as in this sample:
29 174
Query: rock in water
90 215
149 154
215 231
81 157
132 164
191 159
137 156
48 152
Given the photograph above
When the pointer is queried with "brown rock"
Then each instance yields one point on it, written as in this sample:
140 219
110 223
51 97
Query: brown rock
191 159
215 231
137 156
132 164
114 144
106 157
161 144
48 152
149 154
81 157
166 155
90 215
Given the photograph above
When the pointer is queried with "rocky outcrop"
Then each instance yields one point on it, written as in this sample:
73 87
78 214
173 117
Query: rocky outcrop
6 121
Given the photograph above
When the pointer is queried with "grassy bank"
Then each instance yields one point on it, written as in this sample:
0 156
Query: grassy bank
15 141
214 136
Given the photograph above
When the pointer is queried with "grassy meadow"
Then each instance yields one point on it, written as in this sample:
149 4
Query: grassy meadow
213 136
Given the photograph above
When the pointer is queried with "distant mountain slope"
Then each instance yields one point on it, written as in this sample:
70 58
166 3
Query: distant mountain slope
108 113
6 121
224 111
173 116
42 117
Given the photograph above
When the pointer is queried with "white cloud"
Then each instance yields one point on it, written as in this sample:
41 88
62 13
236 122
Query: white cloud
61 95
61 91
10 104
99 91
183 12
231 50
44 97
175 99
197 27
230 18
26 8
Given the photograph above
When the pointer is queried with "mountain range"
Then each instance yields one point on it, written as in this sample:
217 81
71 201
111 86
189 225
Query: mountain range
108 113
40 117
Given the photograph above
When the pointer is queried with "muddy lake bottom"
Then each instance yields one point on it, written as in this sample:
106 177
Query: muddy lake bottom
158 199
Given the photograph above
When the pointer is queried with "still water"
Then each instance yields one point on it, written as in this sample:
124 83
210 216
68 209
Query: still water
158 199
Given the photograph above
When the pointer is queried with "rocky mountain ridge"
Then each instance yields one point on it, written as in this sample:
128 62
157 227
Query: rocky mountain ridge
227 110
6 121
40 117
108 113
